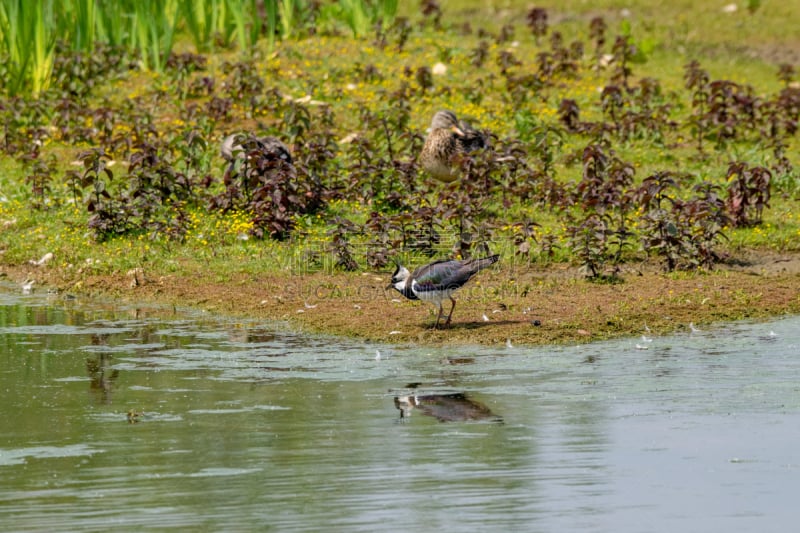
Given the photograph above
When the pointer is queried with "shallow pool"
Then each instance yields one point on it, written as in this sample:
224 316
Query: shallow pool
140 418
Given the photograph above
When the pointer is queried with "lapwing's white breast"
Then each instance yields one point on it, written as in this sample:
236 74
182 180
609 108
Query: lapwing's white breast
431 295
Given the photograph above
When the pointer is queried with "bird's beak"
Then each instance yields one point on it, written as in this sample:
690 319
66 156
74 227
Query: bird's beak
457 131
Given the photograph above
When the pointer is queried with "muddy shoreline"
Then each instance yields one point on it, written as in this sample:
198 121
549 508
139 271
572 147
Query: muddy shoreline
534 305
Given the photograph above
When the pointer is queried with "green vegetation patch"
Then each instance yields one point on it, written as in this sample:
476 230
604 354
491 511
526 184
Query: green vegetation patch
620 134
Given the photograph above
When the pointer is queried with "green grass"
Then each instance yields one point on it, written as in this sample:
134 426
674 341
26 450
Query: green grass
742 47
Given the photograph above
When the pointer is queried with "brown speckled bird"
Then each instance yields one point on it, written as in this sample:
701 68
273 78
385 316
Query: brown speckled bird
448 137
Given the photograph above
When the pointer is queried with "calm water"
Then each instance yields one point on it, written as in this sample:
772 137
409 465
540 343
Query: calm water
140 419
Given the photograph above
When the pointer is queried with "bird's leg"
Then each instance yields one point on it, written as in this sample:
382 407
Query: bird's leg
447 322
438 317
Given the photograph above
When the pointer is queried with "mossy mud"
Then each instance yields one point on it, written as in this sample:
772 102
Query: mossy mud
528 305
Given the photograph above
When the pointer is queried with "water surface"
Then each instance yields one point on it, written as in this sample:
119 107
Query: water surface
138 418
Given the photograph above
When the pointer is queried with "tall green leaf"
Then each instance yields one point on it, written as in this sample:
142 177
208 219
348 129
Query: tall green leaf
247 21
114 22
27 39
154 31
206 21
84 24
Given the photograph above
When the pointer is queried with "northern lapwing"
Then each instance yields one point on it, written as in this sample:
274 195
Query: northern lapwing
438 281
448 137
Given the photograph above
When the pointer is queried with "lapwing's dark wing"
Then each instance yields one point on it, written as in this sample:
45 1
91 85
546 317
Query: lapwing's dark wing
448 274
439 276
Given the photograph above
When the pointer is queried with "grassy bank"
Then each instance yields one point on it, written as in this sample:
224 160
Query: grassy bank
644 137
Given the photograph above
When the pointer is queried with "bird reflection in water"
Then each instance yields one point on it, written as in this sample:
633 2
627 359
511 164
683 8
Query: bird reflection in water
102 375
450 407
